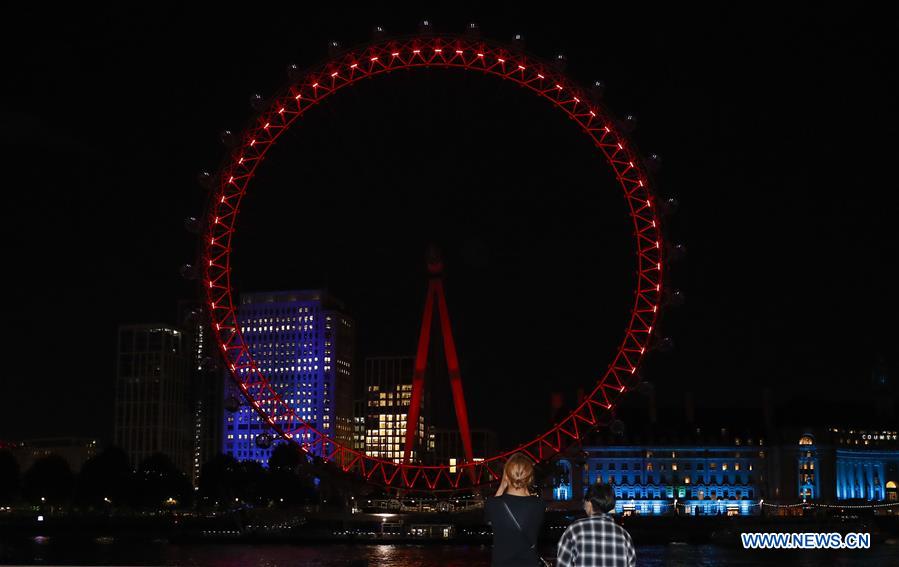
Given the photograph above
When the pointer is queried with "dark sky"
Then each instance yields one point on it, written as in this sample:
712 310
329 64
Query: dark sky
777 131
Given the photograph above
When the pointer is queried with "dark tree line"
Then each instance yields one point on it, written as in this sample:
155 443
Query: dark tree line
108 481
9 478
290 480
105 480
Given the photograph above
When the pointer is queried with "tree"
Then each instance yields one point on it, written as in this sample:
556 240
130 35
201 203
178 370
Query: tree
290 476
336 488
49 480
286 456
252 483
158 482
218 479
106 478
9 477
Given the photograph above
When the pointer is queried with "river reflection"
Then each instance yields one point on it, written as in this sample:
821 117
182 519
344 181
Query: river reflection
59 551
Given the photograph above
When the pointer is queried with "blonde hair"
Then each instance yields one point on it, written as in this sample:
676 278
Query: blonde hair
519 469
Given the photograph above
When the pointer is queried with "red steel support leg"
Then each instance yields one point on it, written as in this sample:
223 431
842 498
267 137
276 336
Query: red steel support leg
455 375
418 378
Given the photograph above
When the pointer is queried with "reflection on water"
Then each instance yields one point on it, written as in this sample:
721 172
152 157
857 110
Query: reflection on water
105 551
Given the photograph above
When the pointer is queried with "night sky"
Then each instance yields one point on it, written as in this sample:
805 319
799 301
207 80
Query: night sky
777 131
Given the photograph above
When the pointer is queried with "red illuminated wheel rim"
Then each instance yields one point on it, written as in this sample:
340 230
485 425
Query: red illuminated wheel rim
443 52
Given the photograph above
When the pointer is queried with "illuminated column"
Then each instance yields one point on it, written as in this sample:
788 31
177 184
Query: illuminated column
869 475
840 480
844 479
859 491
876 485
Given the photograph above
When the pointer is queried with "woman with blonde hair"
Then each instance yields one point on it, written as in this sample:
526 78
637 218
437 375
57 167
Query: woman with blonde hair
516 515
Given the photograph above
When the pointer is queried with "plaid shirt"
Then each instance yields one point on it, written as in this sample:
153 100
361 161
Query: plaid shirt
596 541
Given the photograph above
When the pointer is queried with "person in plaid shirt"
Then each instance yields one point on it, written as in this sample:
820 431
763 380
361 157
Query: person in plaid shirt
596 541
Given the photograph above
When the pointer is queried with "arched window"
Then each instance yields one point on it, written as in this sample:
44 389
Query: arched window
806 440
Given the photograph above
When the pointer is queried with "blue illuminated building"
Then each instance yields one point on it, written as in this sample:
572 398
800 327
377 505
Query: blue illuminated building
753 465
839 465
809 467
867 475
852 466
867 458
867 464
701 480
562 489
303 341
680 468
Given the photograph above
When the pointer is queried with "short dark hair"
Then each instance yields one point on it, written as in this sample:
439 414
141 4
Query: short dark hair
601 496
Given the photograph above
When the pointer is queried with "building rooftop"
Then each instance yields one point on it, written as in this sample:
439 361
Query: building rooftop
291 296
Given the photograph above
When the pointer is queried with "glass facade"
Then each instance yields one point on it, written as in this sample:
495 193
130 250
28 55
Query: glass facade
152 405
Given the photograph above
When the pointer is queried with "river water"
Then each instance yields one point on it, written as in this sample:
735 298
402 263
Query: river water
56 551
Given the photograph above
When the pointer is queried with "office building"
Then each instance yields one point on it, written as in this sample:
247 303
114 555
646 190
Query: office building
388 393
206 386
152 390
359 425
303 342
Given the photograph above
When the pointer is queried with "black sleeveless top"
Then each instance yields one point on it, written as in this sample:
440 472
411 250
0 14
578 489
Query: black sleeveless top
511 547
